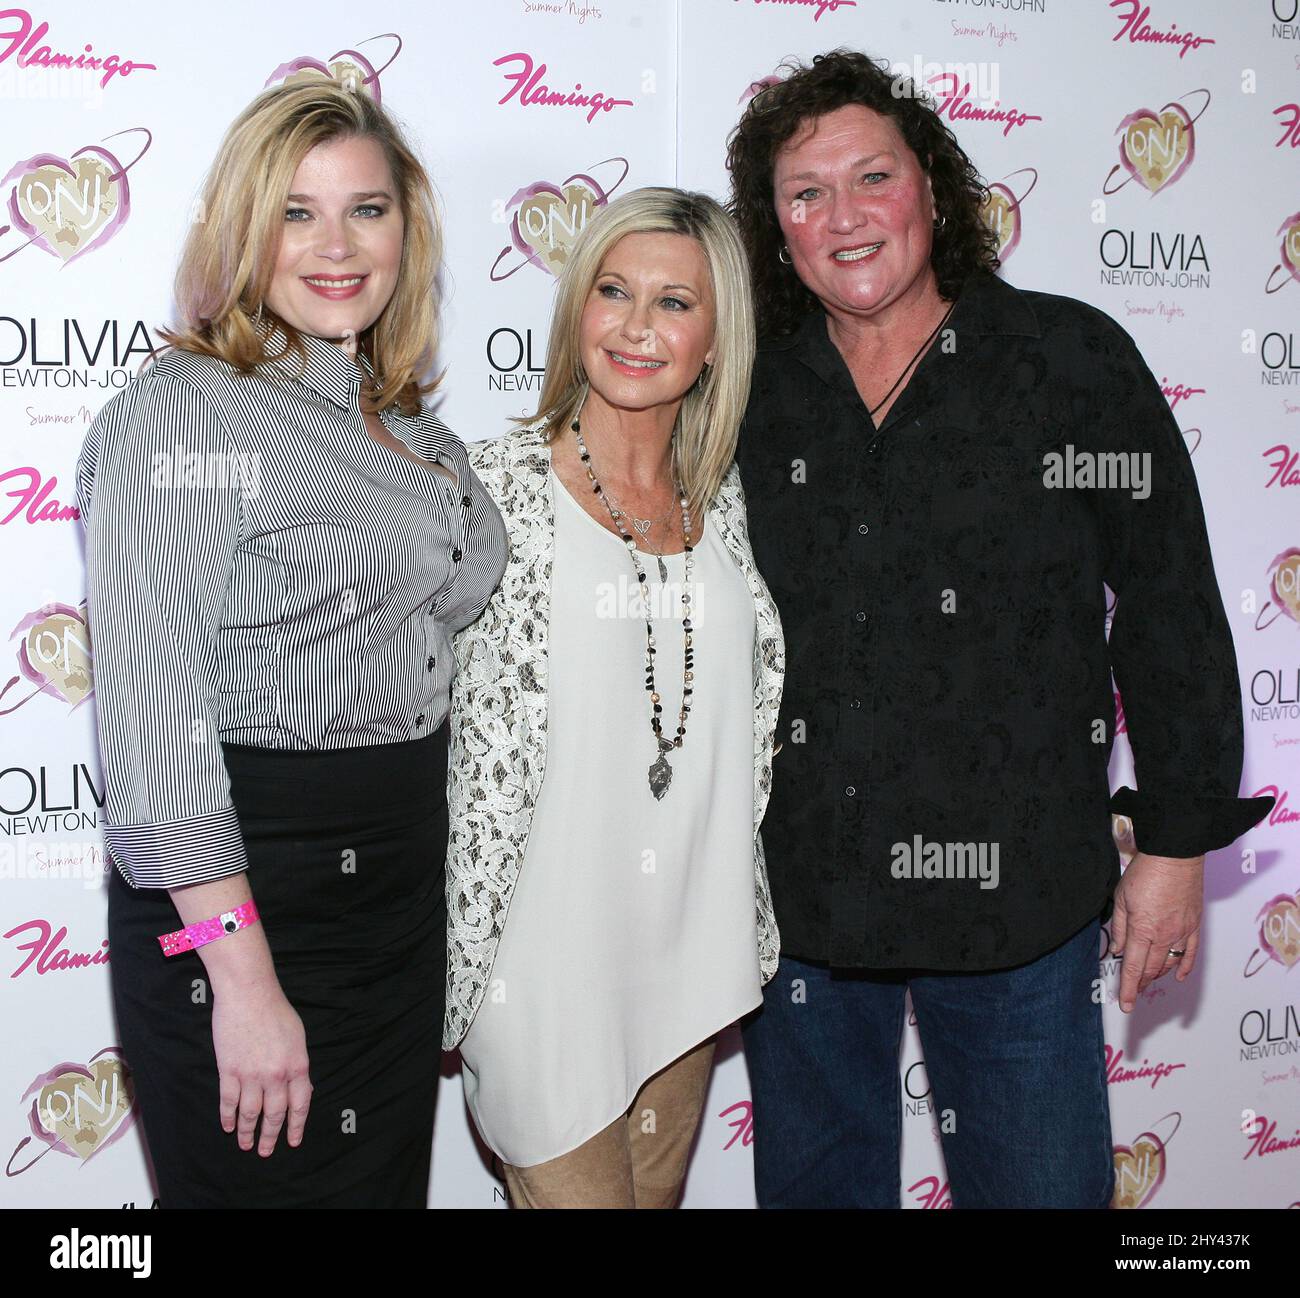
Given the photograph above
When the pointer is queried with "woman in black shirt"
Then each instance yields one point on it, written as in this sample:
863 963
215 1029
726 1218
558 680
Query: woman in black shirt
940 812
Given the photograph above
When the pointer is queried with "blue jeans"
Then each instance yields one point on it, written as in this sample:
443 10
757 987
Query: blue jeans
1015 1057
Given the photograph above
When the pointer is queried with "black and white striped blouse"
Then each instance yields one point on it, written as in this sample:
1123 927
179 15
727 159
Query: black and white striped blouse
262 571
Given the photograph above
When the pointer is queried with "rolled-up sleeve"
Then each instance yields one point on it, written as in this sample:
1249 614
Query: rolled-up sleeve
1171 647
159 558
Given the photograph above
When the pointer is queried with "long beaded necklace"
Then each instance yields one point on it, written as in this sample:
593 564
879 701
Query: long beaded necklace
660 773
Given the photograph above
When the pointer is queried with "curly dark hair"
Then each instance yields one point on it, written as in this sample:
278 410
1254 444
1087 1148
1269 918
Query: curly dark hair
779 111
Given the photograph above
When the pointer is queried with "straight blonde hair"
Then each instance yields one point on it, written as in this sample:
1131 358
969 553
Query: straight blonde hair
704 438
228 261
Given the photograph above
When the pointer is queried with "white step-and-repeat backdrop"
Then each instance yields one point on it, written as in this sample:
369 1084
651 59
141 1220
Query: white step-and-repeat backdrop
1145 158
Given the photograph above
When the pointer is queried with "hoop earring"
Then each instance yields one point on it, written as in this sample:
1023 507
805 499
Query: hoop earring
784 256
941 222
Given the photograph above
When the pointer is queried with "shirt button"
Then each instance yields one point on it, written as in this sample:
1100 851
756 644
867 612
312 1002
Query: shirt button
850 791
863 529
419 721
433 608
466 501
455 556
860 616
855 703
431 662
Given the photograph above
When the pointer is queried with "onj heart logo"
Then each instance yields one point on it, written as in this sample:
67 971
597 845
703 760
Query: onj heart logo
1279 934
1156 148
1279 929
351 69
78 1109
546 219
1290 263
54 654
70 206
1001 210
1284 586
1121 831
1140 1167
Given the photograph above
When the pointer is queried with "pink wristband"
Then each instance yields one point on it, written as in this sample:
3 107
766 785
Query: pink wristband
208 930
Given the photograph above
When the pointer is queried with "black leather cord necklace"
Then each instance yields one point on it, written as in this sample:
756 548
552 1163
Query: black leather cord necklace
920 351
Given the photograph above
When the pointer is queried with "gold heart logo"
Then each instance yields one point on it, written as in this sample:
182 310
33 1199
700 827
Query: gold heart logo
1279 930
55 653
346 71
82 1108
1121 830
68 204
1157 148
1291 246
1139 1170
550 221
1286 583
1001 214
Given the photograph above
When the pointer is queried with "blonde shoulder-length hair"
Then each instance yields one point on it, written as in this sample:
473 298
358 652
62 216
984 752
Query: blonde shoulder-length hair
704 438
228 260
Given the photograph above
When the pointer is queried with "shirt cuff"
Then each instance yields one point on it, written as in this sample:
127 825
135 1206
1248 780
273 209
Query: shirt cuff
1187 825
176 853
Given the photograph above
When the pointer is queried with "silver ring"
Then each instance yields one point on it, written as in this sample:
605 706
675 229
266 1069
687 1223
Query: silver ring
1173 952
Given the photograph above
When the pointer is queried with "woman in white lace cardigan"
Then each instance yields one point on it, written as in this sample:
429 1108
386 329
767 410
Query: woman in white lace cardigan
613 712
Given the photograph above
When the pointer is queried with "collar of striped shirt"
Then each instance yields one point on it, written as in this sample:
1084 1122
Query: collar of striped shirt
325 368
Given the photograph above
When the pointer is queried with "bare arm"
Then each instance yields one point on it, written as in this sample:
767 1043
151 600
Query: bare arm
258 1037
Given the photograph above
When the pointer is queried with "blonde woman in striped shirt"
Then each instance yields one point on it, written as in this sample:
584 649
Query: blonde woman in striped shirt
280 541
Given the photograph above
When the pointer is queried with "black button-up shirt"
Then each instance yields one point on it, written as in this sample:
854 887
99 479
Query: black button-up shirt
941 797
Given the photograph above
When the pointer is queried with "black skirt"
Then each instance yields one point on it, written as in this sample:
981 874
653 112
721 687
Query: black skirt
346 852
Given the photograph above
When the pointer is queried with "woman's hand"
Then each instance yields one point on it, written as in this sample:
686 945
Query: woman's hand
262 1063
259 1040
1158 907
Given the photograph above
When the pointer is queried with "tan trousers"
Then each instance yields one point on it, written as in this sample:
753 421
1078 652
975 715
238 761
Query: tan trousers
639 1160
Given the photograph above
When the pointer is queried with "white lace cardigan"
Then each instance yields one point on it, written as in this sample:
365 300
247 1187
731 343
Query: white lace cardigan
498 716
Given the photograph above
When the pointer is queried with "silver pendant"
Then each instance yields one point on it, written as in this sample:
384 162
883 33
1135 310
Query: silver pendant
661 776
642 525
663 571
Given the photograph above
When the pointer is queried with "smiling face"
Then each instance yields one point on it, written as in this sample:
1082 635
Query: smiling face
647 326
341 248
856 211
